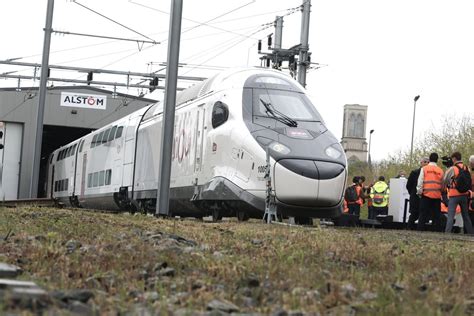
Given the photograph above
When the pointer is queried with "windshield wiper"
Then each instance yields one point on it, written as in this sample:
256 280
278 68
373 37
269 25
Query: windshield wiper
279 116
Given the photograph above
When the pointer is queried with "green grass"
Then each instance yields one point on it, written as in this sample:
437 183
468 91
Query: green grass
256 266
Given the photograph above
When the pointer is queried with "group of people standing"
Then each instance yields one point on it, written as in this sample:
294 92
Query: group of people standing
376 195
432 189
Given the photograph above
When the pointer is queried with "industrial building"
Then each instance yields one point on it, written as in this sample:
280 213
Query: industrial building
70 112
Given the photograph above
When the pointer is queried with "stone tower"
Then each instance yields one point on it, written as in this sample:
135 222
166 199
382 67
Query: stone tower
354 131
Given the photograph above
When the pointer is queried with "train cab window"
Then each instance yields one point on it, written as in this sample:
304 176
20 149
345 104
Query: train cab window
112 134
220 114
108 176
119 132
94 139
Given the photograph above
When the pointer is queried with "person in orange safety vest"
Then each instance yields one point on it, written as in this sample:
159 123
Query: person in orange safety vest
429 188
353 197
455 197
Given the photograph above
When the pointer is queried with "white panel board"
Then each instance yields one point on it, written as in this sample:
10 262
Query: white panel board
398 194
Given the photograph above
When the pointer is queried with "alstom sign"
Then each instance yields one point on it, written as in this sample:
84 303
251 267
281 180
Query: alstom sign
88 101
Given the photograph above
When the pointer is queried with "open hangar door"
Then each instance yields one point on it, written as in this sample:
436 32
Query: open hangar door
53 138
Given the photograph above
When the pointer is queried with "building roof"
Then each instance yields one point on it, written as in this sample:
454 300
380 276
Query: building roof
94 89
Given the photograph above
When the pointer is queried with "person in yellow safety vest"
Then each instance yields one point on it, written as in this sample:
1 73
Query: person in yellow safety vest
456 197
379 193
429 188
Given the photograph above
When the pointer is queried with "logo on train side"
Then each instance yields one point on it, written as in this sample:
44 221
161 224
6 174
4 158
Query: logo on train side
80 100
184 134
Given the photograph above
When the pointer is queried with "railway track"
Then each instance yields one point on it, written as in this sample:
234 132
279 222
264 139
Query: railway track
48 202
41 202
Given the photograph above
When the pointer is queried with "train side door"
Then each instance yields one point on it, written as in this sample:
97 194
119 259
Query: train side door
129 151
84 175
117 175
200 120
51 184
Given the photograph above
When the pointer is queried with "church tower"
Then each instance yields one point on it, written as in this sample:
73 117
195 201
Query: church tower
354 131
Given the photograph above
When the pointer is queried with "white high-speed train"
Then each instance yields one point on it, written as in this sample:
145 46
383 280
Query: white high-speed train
222 128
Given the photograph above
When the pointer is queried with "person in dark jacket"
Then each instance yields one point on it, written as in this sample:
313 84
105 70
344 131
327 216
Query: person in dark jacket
354 205
414 198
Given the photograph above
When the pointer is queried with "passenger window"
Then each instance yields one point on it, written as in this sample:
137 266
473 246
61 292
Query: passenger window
220 114
95 179
119 132
81 145
112 134
99 138
108 176
94 139
51 158
66 184
101 178
106 136
55 186
73 151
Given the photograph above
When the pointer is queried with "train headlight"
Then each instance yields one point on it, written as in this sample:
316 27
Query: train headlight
333 152
279 148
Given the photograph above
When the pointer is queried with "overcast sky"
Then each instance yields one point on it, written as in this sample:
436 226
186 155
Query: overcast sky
372 52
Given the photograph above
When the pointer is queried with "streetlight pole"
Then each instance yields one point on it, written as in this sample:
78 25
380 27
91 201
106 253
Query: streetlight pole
413 129
370 141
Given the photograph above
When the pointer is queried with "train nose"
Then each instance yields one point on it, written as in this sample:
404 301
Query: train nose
308 182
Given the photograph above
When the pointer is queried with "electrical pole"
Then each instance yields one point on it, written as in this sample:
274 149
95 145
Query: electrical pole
278 32
42 97
162 201
303 58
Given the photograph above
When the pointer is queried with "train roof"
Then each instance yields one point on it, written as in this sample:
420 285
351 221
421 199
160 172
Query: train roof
226 79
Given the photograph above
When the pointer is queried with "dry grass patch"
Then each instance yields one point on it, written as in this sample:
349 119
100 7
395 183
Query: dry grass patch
176 265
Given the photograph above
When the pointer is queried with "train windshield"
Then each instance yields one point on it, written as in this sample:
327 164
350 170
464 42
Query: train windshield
290 104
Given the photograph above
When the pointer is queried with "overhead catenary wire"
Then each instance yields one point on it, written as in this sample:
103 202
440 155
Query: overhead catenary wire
220 47
233 39
289 12
198 22
233 44
112 20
